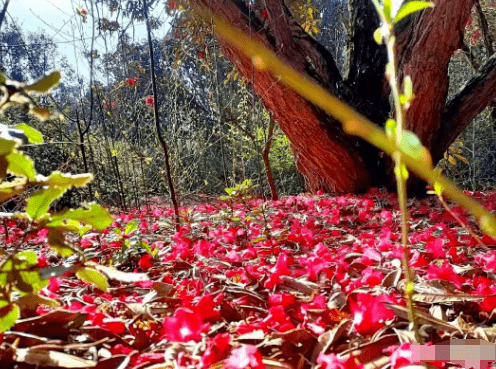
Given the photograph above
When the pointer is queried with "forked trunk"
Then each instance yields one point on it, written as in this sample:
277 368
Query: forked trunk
329 159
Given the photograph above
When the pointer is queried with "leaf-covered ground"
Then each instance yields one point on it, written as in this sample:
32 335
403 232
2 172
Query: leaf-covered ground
297 283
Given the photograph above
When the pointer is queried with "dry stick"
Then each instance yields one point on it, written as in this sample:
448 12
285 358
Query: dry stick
143 179
83 151
120 185
485 29
401 186
458 219
268 169
157 124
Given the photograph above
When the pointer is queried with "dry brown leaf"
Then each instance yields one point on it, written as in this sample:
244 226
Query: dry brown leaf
392 278
296 341
447 299
51 359
304 286
117 275
377 363
59 317
327 339
370 351
422 316
274 364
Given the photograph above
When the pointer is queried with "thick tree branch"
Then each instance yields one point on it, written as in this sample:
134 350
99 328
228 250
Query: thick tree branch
477 93
327 157
368 62
436 35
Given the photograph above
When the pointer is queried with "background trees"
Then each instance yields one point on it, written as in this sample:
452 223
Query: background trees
216 114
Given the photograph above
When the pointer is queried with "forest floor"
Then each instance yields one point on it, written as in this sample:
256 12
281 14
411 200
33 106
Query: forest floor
295 283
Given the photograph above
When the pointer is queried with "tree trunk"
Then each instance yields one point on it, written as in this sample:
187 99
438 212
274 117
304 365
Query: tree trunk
328 158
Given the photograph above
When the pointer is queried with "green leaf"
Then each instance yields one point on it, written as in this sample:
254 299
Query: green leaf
401 171
21 164
408 87
131 226
11 189
66 180
63 224
33 280
438 189
90 275
411 7
32 301
40 113
28 256
45 83
8 316
95 216
386 8
378 36
390 128
146 246
410 144
40 201
6 146
56 240
33 135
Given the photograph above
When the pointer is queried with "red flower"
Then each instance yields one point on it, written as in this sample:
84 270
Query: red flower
149 101
84 11
145 262
246 356
402 356
264 14
185 325
217 350
369 312
206 309
130 82
436 248
116 326
446 272
53 284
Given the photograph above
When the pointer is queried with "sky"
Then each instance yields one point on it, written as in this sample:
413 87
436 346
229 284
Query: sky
59 19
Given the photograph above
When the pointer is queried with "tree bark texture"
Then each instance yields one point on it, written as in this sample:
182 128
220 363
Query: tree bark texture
329 159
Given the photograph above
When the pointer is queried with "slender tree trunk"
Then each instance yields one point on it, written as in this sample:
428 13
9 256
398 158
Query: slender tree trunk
157 123
268 169
83 153
4 11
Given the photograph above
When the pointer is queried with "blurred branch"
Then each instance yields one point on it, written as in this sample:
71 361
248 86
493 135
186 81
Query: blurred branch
4 10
